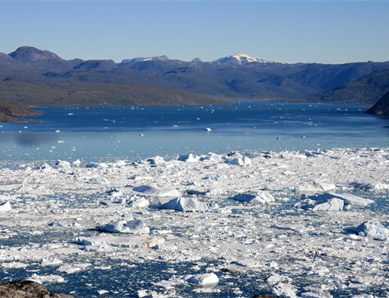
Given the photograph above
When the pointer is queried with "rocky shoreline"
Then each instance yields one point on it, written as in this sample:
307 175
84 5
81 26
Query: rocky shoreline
27 289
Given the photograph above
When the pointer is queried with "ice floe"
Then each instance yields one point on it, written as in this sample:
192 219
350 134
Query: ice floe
290 223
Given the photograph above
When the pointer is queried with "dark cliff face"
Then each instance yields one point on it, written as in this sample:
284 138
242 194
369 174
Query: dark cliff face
381 107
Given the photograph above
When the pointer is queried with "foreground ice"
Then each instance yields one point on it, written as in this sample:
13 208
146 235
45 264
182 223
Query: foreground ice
297 224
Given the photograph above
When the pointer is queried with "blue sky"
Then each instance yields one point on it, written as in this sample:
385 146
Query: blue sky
291 31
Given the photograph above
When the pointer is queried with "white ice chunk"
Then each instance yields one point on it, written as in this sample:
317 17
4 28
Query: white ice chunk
333 204
140 177
371 186
259 197
284 289
135 226
182 204
189 158
5 206
139 202
157 192
156 160
349 199
51 262
115 192
315 187
216 192
63 164
240 161
202 279
372 229
46 278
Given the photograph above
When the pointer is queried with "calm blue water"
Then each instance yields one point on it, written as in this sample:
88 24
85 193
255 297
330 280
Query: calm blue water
140 132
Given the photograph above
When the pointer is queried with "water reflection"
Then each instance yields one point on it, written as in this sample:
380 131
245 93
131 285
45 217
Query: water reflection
141 132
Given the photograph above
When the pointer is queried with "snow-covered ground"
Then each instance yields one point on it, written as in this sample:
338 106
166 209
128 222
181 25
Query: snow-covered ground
234 225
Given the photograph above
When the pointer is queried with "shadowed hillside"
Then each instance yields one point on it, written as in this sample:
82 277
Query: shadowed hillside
8 112
381 107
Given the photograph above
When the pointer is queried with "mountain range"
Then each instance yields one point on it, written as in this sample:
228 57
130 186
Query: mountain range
37 78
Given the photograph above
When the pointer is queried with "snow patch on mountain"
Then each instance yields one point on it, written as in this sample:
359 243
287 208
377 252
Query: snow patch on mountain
141 59
242 59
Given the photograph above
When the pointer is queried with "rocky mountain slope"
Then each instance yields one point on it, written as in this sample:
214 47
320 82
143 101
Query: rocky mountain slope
8 112
368 89
237 76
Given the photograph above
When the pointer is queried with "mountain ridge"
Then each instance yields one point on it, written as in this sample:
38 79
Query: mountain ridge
243 78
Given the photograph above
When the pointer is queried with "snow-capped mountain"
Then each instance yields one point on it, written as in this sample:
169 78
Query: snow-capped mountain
140 59
241 59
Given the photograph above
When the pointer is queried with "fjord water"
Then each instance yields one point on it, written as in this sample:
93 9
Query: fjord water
131 133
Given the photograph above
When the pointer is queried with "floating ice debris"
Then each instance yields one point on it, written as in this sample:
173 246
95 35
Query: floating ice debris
331 202
182 204
46 278
72 268
157 192
136 202
154 294
115 192
189 158
55 224
135 226
154 242
202 279
247 263
104 242
314 187
14 265
140 177
63 163
259 197
284 289
371 186
372 229
216 192
51 262
240 161
156 160
5 206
